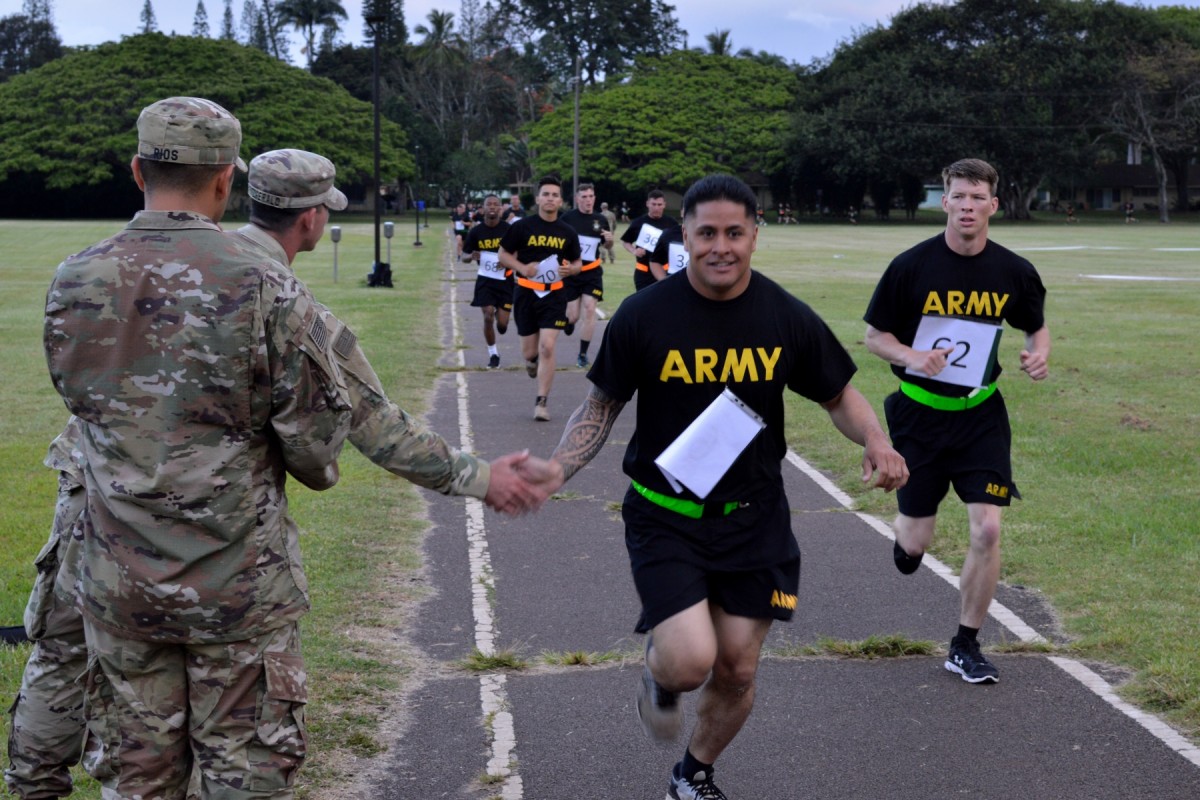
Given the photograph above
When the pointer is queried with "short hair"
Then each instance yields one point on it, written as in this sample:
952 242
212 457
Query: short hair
189 178
720 187
486 197
654 194
275 220
974 170
585 187
549 180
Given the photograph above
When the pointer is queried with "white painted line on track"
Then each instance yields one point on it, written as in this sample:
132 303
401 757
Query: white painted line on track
1003 615
1100 687
493 696
1161 730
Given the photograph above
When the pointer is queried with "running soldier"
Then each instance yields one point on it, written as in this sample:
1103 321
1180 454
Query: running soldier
542 250
935 317
608 253
641 237
714 564
494 283
586 289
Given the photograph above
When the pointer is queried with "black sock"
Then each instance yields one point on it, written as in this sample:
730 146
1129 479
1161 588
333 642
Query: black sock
969 634
689 766
583 347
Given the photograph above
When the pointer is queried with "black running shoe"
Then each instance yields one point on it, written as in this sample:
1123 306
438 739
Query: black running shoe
904 562
494 362
698 787
658 709
966 660
569 328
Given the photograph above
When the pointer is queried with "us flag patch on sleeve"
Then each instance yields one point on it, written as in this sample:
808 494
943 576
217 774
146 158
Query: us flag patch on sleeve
345 343
319 333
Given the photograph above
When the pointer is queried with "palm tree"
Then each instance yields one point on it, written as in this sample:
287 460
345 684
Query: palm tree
308 15
440 44
719 43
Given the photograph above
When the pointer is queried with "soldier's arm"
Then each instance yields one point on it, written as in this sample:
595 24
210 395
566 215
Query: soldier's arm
585 433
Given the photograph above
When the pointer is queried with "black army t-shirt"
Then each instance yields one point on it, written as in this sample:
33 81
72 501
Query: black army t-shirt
678 350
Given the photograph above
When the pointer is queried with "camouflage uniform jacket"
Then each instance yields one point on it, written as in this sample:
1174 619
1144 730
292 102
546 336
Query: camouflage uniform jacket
379 429
202 375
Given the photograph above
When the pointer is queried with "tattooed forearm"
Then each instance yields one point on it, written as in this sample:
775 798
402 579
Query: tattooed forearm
586 432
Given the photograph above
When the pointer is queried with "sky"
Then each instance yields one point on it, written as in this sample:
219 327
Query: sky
798 30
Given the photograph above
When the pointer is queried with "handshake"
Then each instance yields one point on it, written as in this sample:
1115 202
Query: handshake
521 483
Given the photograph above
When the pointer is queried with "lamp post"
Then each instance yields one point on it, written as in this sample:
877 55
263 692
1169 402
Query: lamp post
335 233
379 271
389 229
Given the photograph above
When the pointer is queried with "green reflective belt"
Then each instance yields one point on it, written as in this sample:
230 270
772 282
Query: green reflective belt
942 403
685 507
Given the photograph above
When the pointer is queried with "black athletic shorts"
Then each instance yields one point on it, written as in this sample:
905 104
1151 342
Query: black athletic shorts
969 450
532 313
492 292
589 283
747 565
642 279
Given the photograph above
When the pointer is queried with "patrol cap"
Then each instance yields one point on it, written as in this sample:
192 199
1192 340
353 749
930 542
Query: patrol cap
294 179
189 130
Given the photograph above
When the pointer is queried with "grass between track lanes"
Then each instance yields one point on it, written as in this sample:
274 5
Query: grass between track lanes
1105 451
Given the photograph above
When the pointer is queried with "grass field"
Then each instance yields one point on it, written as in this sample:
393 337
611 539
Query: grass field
1106 451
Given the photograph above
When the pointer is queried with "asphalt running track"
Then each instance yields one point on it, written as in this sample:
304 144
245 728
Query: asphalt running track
822 728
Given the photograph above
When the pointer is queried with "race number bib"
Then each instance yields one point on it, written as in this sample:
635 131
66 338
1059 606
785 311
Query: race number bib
489 265
548 272
589 246
648 238
677 257
975 347
459 225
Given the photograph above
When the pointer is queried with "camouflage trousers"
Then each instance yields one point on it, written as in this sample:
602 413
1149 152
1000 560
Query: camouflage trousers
234 711
46 736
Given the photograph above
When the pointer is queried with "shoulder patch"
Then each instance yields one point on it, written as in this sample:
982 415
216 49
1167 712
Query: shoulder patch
319 333
346 341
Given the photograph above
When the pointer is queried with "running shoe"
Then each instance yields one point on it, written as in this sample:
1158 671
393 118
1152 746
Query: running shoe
540 412
904 562
658 709
494 362
698 787
569 328
531 368
582 362
966 660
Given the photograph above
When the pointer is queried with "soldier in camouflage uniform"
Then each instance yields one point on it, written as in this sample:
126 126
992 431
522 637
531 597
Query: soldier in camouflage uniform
46 735
203 374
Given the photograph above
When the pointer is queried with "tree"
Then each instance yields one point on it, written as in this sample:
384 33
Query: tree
308 15
564 29
72 124
639 134
149 23
26 43
393 33
200 21
37 10
227 30
1158 110
1020 84
719 43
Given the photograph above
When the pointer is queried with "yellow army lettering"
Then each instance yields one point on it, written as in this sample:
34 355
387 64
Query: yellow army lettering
556 242
782 600
976 304
996 490
739 366
490 244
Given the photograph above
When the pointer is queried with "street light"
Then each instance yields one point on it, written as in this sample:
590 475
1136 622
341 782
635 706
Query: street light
335 233
381 273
